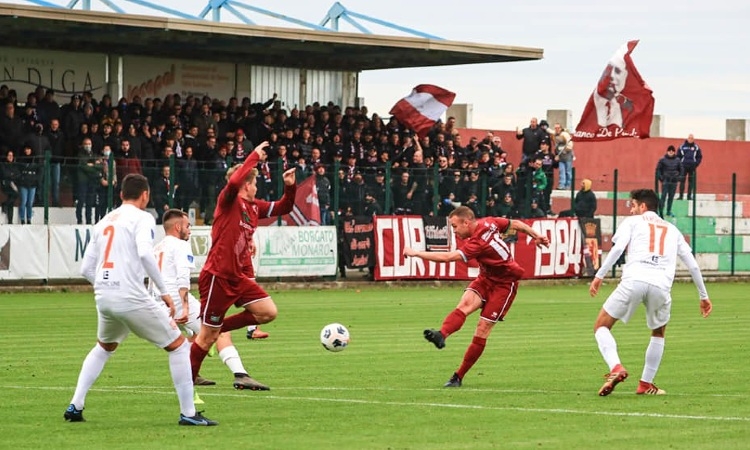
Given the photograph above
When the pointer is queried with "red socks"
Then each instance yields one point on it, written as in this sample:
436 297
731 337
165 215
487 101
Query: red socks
453 322
197 355
472 355
238 321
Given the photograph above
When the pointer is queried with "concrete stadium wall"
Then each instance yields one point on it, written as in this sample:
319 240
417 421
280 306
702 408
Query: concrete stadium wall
636 161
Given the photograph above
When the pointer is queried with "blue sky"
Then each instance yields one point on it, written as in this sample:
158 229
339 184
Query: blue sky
694 55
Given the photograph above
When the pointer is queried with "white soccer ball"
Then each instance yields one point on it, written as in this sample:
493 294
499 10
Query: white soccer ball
334 337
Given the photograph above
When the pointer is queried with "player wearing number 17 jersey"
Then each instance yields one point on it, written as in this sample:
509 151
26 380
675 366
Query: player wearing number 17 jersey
653 246
116 261
493 291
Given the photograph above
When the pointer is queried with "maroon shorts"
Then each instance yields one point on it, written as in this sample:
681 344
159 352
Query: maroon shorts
219 294
497 296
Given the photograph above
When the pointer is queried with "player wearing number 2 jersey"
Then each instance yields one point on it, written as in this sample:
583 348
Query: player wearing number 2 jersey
493 291
228 277
116 261
653 246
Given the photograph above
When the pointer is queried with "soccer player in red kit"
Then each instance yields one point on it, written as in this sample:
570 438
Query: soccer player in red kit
228 277
492 291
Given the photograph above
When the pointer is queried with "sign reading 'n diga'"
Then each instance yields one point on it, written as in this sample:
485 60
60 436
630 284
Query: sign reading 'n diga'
66 73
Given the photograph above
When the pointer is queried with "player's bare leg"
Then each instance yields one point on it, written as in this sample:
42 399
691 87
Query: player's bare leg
255 313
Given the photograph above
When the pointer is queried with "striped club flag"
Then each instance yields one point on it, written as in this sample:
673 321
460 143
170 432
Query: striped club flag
421 109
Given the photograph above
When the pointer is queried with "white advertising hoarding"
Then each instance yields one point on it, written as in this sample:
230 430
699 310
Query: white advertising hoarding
23 252
157 77
66 73
295 251
56 251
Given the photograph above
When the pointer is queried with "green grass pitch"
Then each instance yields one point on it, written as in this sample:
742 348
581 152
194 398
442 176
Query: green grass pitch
534 387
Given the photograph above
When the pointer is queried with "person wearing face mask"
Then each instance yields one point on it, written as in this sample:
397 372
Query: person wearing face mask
88 177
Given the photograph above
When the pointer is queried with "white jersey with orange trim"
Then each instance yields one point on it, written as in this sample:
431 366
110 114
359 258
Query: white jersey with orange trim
175 260
653 246
119 257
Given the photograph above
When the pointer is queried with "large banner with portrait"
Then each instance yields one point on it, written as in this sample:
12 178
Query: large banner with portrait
562 259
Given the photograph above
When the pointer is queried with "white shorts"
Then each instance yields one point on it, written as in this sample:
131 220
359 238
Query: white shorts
622 303
150 322
193 325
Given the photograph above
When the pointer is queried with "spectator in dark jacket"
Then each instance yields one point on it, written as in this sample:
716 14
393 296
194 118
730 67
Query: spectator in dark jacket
532 138
56 139
690 156
323 185
30 169
9 175
669 171
584 204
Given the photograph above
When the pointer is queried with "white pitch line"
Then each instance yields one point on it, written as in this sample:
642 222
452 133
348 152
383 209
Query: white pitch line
441 389
139 390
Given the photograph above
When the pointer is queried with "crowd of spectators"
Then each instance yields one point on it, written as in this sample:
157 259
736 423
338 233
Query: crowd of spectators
372 165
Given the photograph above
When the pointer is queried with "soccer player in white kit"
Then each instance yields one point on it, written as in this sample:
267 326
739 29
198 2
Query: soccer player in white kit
175 260
653 246
116 261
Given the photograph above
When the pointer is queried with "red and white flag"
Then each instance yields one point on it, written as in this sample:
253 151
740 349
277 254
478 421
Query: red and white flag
423 107
622 105
306 211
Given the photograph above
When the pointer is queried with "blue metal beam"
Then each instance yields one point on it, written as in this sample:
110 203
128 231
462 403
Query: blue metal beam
335 14
163 9
43 3
339 11
356 24
336 10
392 25
276 15
238 14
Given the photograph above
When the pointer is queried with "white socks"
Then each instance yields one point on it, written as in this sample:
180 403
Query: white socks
231 358
90 370
607 347
182 378
654 352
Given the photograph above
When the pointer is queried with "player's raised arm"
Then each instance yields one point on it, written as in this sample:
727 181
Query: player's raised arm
285 204
238 177
454 255
525 228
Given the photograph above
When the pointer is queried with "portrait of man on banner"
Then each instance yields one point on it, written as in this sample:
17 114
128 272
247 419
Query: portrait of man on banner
611 104
621 105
